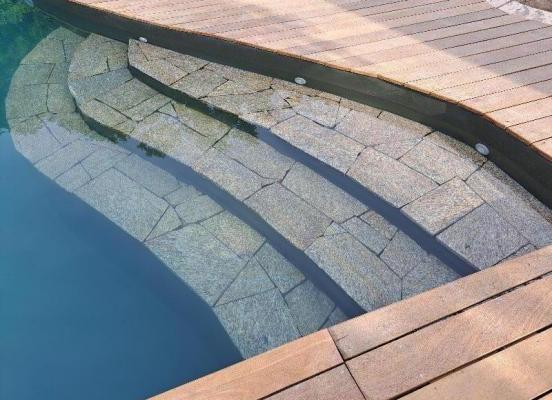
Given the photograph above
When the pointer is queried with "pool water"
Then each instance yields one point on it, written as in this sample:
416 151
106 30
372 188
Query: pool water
86 311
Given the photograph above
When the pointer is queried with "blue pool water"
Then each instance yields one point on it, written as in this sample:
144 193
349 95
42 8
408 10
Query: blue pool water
86 311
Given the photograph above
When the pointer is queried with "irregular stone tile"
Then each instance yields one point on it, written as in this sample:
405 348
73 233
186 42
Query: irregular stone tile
65 158
147 107
366 109
229 174
197 209
366 235
439 208
250 281
199 83
254 154
86 62
48 51
199 259
371 131
117 61
124 202
73 178
127 95
388 178
284 275
296 220
322 194
186 62
239 104
32 139
59 99
231 87
169 136
70 48
136 56
252 80
159 181
403 254
397 149
258 323
513 203
66 35
358 271
101 160
324 144
182 194
168 222
59 74
169 109
309 307
69 127
334 229
427 275
318 109
200 122
483 237
380 224
524 250
342 113
456 147
268 119
26 101
102 113
335 318
405 122
236 234
91 87
31 74
438 164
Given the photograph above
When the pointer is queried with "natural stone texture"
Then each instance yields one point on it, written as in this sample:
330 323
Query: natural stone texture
201 123
371 131
325 144
258 323
236 234
127 95
335 318
456 147
162 71
231 88
59 74
73 179
148 175
320 110
366 234
67 128
199 83
112 192
248 103
102 159
250 281
483 237
32 139
404 122
147 107
254 154
334 229
380 224
427 275
296 220
437 163
197 257
182 194
168 222
65 158
357 270
102 113
26 101
443 206
403 254
48 51
389 179
309 307
267 119
397 149
513 203
88 88
59 99
31 74
322 194
197 209
229 174
252 80
284 275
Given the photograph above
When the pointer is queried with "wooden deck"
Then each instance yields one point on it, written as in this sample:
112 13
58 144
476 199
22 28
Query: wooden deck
463 51
486 336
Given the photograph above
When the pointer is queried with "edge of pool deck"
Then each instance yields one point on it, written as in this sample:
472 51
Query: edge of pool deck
346 360
528 164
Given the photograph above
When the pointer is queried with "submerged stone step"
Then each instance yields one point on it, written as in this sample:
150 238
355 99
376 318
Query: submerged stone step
451 191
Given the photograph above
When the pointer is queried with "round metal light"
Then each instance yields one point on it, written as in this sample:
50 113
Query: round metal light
482 149
300 80
143 39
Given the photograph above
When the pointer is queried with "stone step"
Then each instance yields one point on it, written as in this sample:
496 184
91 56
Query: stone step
447 188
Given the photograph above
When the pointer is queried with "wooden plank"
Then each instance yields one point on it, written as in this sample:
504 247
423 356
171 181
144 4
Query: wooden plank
463 338
264 374
336 384
374 329
533 131
523 113
522 371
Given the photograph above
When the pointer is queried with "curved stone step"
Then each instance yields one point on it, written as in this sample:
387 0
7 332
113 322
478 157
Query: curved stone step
443 185
362 252
261 299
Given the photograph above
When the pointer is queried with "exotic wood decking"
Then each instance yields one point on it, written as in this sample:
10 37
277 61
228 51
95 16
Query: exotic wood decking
486 336
463 51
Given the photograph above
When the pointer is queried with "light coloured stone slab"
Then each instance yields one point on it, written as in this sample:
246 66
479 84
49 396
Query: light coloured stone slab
309 307
284 275
427 275
199 122
65 158
73 179
32 139
102 113
296 220
251 80
197 257
26 101
127 95
380 224
366 234
322 194
248 103
197 209
443 206
404 122
250 281
318 109
112 192
59 99
335 318
168 222
48 51
147 107
182 194
88 88
32 74
403 254
483 237
390 179
267 119
102 159
199 83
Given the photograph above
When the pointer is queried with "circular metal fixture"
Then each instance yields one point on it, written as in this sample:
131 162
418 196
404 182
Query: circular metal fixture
300 81
482 149
143 39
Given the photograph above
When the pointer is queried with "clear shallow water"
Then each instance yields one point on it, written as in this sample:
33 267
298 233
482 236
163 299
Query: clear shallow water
86 311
